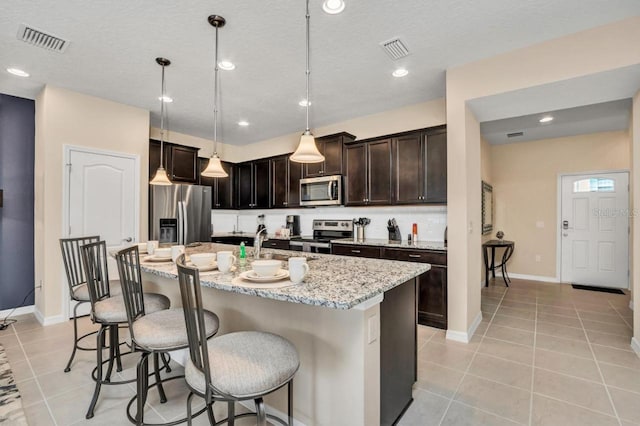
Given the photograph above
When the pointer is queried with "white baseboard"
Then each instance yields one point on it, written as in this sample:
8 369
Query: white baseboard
461 336
55 319
635 345
18 311
540 278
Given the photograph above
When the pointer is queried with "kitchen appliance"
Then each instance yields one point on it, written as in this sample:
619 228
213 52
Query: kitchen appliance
394 230
321 191
180 214
359 225
324 230
260 222
293 225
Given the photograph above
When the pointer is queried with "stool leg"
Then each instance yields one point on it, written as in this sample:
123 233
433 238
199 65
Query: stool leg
290 402
118 360
231 413
96 392
142 386
165 361
75 338
189 398
156 365
112 353
212 417
262 415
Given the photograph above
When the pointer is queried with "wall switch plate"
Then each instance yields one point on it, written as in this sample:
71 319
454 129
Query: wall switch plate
373 329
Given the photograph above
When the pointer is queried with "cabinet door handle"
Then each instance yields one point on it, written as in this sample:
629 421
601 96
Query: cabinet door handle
355 251
273 244
415 256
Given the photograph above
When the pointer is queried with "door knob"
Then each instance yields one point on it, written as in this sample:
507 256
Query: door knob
128 240
565 235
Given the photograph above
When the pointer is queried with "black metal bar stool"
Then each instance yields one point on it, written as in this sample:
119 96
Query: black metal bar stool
240 366
110 312
153 333
78 290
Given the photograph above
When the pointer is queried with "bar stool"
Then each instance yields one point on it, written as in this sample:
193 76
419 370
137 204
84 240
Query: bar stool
78 286
153 333
234 367
110 312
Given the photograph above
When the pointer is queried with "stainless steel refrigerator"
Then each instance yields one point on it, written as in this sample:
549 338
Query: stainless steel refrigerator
180 214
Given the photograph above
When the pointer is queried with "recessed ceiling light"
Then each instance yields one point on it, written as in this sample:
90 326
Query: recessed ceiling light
546 119
333 7
226 65
18 72
243 123
303 103
166 99
400 72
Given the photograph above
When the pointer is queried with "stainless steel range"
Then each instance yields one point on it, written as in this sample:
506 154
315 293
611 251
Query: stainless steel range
324 230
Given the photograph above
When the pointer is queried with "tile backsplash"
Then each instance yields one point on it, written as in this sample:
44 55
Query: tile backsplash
431 220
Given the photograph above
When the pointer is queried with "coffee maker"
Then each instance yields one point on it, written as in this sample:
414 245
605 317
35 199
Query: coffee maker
293 224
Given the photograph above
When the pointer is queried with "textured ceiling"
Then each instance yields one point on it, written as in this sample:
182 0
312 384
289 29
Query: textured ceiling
114 44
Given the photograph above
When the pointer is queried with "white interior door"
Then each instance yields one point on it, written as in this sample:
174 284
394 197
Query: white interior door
102 199
595 229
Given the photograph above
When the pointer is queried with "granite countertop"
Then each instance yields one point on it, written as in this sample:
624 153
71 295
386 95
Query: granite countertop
339 282
420 245
245 234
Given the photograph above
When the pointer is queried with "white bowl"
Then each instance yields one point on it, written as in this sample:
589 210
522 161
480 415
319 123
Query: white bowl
266 268
162 252
202 259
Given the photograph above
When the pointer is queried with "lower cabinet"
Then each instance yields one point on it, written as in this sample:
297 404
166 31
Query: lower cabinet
432 285
248 241
276 244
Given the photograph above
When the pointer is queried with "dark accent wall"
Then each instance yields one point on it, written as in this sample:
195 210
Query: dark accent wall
17 156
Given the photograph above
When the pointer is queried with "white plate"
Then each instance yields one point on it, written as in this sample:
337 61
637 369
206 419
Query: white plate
211 267
252 276
154 258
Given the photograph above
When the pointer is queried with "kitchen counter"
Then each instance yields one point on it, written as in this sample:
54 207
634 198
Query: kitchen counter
420 245
338 282
251 235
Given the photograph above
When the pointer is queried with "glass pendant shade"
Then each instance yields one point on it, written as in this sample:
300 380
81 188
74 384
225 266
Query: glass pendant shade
214 168
160 178
307 151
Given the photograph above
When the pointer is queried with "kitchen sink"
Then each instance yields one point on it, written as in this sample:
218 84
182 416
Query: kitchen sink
284 257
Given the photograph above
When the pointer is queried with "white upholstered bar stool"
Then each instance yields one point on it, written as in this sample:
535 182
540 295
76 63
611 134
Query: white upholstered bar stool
153 333
239 366
78 291
109 312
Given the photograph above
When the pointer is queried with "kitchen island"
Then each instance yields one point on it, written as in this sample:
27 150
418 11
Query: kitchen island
353 322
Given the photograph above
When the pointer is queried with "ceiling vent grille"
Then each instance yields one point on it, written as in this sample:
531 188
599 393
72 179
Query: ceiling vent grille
514 134
41 39
395 48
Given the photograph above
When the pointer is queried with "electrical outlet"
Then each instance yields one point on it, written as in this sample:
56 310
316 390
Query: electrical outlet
538 258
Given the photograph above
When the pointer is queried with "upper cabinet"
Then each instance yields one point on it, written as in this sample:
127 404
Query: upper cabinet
331 147
285 179
368 173
222 194
254 184
181 162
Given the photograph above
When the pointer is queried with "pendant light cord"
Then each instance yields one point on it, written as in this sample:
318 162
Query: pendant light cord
215 99
162 121
308 17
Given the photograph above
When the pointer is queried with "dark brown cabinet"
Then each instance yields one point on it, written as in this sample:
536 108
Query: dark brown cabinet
368 173
276 244
181 162
222 194
420 167
254 184
432 285
331 147
285 182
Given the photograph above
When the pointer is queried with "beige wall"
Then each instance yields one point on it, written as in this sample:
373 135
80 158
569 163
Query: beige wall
412 117
69 118
485 173
525 185
552 61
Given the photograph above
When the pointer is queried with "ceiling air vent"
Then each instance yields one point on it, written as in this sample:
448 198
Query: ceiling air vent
514 134
41 39
395 48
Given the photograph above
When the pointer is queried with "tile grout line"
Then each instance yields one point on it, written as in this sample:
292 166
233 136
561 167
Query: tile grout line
573 404
475 353
46 402
606 388
619 314
533 363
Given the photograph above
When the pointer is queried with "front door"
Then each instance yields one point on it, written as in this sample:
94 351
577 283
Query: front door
594 229
102 199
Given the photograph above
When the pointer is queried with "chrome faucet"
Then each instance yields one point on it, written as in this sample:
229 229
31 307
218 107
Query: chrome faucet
257 242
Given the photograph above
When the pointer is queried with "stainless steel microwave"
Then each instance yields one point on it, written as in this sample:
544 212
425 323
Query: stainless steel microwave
321 191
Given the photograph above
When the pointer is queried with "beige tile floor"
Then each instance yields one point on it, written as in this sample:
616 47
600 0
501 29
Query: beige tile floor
544 354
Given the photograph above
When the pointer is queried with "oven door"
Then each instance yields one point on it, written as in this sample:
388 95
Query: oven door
322 191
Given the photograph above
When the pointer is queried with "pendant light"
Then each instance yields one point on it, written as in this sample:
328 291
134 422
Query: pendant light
307 151
161 177
214 168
